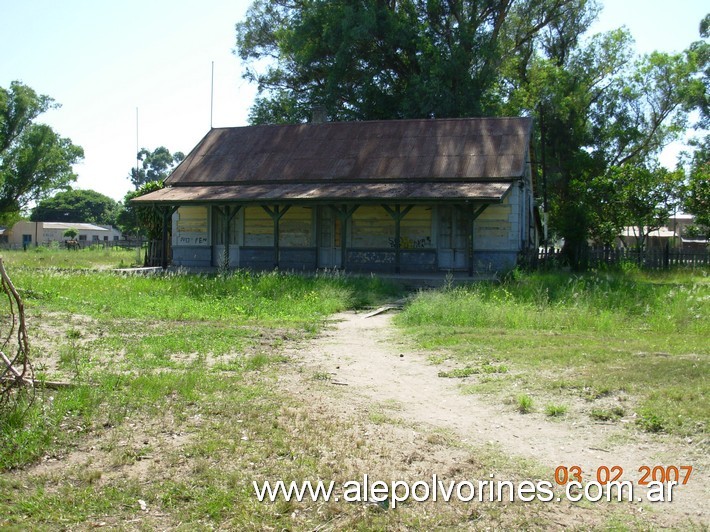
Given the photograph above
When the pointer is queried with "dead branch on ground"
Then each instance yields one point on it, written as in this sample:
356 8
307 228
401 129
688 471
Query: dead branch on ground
16 373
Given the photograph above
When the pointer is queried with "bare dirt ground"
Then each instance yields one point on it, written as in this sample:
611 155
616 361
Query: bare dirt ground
362 365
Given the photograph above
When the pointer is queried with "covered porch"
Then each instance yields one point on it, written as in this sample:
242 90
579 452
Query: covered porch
385 238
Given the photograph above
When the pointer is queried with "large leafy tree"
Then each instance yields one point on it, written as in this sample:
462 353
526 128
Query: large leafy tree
599 110
155 165
697 201
375 59
34 160
635 196
77 206
137 220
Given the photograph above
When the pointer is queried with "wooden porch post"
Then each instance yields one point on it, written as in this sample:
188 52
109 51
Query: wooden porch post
316 232
397 214
167 213
471 213
276 215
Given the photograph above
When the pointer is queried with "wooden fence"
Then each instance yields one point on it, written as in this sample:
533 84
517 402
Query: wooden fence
656 259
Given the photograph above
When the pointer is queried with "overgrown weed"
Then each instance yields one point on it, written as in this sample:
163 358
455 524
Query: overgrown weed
642 333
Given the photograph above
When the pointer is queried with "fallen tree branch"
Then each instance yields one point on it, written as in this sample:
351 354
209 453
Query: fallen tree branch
39 383
14 344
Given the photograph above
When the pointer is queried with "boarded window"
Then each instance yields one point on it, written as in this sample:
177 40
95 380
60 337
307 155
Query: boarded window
296 227
192 220
372 227
415 229
258 227
192 226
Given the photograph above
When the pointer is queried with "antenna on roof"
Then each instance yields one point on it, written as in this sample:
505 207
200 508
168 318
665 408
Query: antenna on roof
212 95
137 145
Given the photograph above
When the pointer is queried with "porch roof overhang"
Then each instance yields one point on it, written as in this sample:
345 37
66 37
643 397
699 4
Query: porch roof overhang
489 191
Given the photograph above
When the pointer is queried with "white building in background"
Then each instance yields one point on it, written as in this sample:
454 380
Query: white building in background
672 233
26 234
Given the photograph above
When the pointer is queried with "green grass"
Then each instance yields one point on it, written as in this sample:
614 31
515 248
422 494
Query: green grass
525 404
90 258
642 335
181 358
555 410
117 335
177 404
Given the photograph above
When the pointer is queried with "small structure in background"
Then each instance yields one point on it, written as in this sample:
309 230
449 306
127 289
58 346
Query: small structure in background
677 233
25 234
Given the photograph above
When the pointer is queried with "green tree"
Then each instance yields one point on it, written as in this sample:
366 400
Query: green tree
155 165
598 108
137 220
375 59
34 160
71 233
77 206
697 201
633 196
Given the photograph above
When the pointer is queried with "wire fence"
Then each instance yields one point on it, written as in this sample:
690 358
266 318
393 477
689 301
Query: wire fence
655 259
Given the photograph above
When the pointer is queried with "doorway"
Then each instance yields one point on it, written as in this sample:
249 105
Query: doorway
329 255
452 239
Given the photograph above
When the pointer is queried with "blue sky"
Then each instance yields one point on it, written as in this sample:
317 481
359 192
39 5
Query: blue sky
103 59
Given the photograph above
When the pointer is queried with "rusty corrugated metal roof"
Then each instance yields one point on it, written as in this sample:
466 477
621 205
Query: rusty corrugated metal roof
490 190
466 148
465 158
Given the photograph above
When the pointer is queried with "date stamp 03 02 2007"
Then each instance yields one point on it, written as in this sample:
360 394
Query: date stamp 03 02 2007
607 474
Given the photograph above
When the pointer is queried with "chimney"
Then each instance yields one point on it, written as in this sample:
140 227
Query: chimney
318 114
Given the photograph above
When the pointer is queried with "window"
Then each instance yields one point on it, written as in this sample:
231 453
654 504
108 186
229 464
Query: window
258 227
192 220
372 227
295 227
82 238
415 229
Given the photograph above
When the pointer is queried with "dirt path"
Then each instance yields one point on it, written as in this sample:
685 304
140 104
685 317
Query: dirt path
378 366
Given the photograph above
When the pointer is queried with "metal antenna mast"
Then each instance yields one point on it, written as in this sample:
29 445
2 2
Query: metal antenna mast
212 95
137 145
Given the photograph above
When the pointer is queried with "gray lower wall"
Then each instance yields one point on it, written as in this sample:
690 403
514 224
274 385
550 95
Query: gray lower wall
298 259
418 260
370 260
258 258
262 258
385 260
494 260
359 260
192 256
